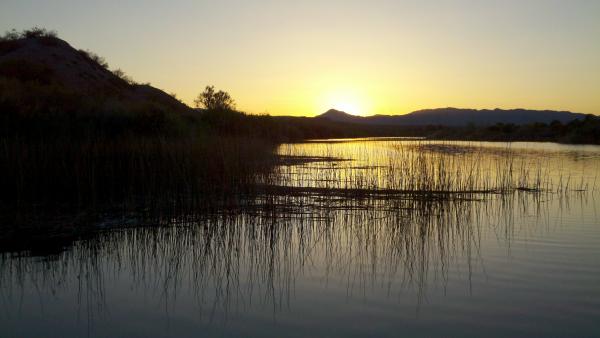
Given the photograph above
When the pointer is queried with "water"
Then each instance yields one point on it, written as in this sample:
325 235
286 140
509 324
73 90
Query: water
496 264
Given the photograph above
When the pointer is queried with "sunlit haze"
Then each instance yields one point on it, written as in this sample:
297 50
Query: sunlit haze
363 57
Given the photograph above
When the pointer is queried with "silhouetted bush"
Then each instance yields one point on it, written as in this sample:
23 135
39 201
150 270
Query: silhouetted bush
10 35
94 58
32 33
214 100
37 33
123 76
48 37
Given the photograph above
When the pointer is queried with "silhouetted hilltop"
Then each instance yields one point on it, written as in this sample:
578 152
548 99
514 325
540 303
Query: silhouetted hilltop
339 116
457 117
44 61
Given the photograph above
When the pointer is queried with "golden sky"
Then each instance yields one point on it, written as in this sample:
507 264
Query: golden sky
365 57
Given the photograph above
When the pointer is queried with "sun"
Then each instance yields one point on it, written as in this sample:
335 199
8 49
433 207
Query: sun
348 107
350 102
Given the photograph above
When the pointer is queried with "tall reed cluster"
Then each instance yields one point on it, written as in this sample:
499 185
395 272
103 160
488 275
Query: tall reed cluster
150 170
423 167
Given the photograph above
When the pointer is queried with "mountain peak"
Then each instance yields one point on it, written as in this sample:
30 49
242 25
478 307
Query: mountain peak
333 111
338 115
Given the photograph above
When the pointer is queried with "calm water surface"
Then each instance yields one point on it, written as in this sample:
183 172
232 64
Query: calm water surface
501 264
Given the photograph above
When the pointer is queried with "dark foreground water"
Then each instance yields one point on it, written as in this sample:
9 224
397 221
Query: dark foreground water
516 264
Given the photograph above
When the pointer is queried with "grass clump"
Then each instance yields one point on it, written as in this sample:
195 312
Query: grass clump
31 33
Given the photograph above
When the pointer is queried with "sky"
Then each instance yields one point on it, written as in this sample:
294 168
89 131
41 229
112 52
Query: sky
364 57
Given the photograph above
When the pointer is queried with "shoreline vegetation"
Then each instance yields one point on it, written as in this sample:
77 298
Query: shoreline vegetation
81 137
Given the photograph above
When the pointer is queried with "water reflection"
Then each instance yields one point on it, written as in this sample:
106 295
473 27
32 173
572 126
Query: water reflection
236 263
314 264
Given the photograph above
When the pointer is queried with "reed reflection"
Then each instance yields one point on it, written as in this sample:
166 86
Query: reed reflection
231 263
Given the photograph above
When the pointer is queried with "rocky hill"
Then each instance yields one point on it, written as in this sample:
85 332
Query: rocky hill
45 61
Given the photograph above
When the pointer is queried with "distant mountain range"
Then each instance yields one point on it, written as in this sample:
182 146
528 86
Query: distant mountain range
455 117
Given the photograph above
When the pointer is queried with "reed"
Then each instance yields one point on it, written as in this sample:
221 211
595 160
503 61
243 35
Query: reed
421 168
151 170
191 175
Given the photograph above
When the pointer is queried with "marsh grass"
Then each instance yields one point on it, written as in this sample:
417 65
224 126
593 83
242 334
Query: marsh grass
113 171
228 175
52 192
423 168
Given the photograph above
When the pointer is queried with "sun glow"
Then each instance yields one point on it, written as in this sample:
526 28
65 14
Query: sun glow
348 107
349 101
